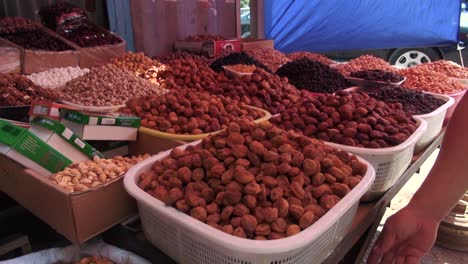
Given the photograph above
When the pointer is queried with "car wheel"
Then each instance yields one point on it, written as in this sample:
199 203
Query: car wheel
406 58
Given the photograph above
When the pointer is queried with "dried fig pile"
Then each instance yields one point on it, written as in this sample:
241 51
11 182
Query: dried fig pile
352 119
256 182
189 112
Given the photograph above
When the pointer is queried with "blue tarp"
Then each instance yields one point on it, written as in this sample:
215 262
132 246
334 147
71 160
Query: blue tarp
326 25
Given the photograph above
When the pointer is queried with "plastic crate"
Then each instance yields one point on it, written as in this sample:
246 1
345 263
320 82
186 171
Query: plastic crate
434 120
187 240
389 163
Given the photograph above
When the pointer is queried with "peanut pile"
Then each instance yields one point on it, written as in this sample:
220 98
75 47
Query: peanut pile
364 62
107 86
92 173
424 78
448 68
256 182
188 112
351 119
271 58
141 65
17 90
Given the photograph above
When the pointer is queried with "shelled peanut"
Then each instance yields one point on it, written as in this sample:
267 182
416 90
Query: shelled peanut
189 112
256 182
364 62
426 79
92 173
353 119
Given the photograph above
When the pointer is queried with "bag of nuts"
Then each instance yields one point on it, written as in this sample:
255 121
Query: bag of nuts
257 182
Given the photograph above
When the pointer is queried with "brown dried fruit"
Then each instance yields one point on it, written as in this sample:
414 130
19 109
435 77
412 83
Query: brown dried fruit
297 190
280 225
292 230
175 194
240 151
270 214
310 167
340 189
227 229
328 201
296 211
242 175
307 219
239 232
316 209
240 209
199 213
231 197
182 206
275 235
321 190
213 218
252 188
226 213
249 223
250 201
276 193
262 230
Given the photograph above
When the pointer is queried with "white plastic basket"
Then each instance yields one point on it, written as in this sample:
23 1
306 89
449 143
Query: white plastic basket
187 240
389 163
434 120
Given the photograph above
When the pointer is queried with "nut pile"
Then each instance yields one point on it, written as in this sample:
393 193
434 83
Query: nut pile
313 56
351 119
364 62
261 89
236 58
106 86
271 58
90 36
190 73
425 79
57 77
448 68
256 182
378 75
313 76
92 173
17 90
204 38
188 112
141 65
414 102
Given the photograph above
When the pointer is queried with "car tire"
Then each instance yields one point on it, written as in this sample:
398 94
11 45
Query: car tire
413 56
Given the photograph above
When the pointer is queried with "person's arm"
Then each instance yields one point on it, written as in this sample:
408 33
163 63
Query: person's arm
411 232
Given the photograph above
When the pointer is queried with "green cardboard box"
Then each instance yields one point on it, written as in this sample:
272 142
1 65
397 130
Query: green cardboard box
29 150
63 139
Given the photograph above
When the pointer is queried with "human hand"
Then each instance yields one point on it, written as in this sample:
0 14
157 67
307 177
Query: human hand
405 238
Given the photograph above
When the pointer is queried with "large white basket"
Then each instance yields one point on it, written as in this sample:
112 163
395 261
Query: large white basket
389 163
187 240
434 120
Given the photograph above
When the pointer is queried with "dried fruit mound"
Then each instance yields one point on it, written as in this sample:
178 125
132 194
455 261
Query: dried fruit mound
256 182
313 76
352 119
189 112
414 102
17 90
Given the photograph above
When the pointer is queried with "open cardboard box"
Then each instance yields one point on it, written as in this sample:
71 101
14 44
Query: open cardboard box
77 216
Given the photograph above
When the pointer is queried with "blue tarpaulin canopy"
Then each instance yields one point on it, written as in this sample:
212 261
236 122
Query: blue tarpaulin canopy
326 25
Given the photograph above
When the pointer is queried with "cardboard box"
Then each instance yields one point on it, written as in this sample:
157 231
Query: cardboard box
77 216
101 127
29 150
47 109
63 140
146 144
250 44
11 59
111 148
208 48
40 60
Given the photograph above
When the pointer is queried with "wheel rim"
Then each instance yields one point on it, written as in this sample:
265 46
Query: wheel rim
412 58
